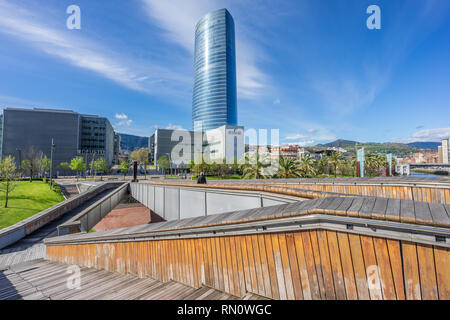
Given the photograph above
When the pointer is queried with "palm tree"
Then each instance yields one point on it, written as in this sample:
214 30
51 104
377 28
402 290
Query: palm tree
288 168
254 166
322 165
353 162
334 159
308 166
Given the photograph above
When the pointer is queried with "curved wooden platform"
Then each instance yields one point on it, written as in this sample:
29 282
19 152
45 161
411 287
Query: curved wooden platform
325 248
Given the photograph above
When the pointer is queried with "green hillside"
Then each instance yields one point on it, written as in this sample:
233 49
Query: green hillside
399 149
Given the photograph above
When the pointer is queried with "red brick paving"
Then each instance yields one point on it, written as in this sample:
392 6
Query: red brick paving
124 215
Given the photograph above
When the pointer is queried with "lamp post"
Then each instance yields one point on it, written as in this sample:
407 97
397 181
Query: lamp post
51 163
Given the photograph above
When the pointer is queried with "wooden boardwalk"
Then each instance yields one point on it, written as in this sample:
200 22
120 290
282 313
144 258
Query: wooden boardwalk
32 247
327 248
45 280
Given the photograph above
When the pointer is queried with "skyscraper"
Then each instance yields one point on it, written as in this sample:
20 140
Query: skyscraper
214 96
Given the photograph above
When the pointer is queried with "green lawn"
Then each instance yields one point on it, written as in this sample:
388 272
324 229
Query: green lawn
26 200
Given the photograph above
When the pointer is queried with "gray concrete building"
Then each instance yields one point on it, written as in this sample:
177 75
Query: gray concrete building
26 130
180 147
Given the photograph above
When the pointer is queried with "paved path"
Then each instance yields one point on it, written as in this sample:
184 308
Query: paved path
124 215
32 247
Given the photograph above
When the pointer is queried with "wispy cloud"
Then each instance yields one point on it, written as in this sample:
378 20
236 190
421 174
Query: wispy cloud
427 135
178 19
123 120
121 116
303 143
296 137
171 126
79 51
348 94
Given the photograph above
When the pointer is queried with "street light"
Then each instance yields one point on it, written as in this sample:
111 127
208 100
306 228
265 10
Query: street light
51 163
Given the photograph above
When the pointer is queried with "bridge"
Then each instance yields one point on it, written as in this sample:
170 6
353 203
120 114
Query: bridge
370 238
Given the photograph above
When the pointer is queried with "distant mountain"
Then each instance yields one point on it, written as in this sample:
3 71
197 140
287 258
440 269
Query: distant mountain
340 143
399 149
130 142
425 145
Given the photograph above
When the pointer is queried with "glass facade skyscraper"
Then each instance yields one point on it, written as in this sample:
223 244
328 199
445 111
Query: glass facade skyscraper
214 101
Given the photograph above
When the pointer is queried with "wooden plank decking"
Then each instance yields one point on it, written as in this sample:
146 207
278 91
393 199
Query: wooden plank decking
45 280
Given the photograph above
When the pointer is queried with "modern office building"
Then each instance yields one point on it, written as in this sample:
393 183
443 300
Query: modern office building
31 130
180 147
96 137
214 101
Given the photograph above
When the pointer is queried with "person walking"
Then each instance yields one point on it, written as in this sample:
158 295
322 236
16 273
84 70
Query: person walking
201 178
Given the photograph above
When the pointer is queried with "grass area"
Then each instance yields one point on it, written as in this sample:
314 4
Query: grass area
27 199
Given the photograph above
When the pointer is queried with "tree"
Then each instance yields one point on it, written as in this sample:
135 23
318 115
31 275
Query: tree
101 165
335 159
64 166
8 177
46 164
78 164
141 156
32 162
254 166
288 168
164 163
26 168
308 166
124 167
322 165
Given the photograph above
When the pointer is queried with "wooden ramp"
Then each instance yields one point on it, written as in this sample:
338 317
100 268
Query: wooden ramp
45 280
328 248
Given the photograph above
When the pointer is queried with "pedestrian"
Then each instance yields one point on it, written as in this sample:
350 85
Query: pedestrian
201 179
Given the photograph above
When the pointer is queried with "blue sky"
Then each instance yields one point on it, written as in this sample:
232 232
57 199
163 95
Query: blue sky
309 68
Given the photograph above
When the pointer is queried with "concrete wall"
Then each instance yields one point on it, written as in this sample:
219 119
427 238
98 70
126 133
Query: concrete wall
89 217
172 203
19 230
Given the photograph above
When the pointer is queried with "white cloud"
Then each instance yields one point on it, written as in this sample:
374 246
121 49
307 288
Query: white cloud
304 143
315 135
81 52
296 137
427 135
173 127
124 121
127 123
346 95
121 116
179 17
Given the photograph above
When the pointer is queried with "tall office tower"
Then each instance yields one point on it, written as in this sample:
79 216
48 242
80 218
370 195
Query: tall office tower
214 101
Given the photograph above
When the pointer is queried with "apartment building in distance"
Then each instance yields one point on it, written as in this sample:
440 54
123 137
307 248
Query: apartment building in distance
444 151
